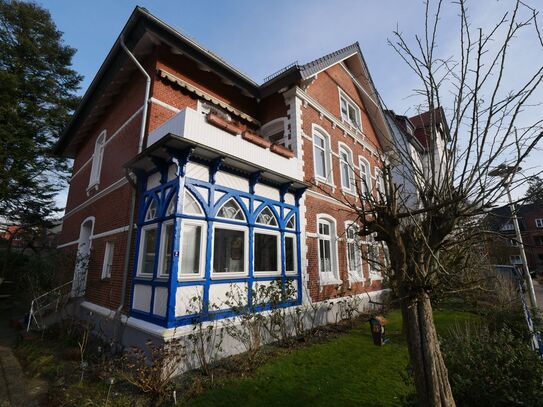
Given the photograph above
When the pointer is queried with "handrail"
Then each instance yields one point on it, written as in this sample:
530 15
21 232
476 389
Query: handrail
34 304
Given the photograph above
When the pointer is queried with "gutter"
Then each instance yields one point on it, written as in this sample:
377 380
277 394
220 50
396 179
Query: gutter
126 264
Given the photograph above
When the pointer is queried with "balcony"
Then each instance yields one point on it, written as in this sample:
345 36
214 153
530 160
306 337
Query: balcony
212 138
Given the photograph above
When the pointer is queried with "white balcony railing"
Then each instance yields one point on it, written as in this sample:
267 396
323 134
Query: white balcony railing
193 126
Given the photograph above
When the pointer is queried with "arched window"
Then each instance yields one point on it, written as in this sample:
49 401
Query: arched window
170 210
321 156
346 168
151 211
191 205
97 156
266 217
231 210
326 233
275 130
354 258
365 176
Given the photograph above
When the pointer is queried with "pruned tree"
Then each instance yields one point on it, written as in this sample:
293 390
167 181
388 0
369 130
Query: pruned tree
424 206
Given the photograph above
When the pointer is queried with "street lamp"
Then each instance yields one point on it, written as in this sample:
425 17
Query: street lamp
507 172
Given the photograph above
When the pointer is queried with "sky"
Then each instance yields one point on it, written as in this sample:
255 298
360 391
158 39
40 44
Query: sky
260 37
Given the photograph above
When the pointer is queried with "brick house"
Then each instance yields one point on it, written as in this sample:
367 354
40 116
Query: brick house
504 247
190 178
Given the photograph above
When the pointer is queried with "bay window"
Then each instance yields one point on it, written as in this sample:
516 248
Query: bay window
229 250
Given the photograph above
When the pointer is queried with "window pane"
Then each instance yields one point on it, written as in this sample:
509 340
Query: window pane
148 251
291 222
231 210
345 175
320 162
190 205
266 252
289 253
151 211
319 141
190 249
325 263
266 217
228 251
324 229
166 248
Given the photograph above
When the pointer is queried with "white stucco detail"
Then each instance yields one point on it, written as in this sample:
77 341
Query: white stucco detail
232 181
142 298
197 171
183 299
289 199
266 191
153 180
161 301
217 294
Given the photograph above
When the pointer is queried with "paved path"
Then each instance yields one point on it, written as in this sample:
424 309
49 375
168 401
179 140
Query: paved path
15 390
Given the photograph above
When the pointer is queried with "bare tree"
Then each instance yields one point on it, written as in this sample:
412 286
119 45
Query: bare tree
424 205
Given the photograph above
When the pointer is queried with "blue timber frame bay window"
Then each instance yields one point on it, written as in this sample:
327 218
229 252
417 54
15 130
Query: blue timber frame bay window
200 239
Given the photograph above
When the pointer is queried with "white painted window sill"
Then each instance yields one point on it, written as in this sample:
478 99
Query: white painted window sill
330 281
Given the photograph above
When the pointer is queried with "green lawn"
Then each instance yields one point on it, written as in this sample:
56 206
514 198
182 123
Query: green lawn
347 370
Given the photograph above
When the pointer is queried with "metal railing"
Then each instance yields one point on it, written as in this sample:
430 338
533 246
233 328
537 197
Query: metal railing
48 302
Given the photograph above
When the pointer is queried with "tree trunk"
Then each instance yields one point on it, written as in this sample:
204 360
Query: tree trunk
429 371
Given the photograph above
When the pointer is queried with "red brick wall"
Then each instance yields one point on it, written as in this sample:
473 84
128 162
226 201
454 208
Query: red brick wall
325 90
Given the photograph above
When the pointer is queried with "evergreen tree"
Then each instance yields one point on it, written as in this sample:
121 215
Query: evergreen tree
534 194
37 96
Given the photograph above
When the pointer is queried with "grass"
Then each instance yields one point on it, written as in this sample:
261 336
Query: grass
347 370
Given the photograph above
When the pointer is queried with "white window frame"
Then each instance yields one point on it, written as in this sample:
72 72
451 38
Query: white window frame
379 184
108 259
331 277
363 162
274 126
162 249
328 177
97 158
539 223
373 273
144 230
295 252
278 242
356 108
245 230
203 240
354 275
350 168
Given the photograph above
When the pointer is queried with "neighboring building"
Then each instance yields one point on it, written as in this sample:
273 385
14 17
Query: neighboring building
415 156
220 171
504 248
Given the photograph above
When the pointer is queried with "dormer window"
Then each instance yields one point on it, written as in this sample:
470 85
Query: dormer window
350 112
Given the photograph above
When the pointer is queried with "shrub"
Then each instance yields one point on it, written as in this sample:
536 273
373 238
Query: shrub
492 366
152 369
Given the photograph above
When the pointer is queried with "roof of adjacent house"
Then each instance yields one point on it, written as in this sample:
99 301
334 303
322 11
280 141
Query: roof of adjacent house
502 215
144 25
425 120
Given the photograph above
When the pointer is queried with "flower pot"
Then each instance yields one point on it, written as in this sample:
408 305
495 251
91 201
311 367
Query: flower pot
256 139
223 124
281 150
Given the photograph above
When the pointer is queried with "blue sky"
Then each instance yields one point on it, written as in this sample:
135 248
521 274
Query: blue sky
260 37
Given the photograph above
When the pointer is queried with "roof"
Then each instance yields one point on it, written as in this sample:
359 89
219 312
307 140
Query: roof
142 27
501 215
423 121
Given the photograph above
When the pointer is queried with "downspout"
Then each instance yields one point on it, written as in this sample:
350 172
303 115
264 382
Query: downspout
134 190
